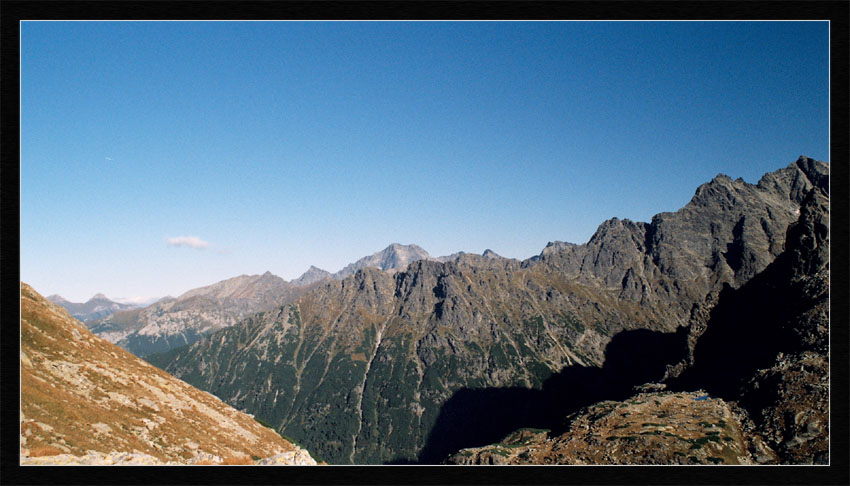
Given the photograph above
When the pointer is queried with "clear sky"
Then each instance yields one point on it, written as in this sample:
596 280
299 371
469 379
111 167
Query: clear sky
157 157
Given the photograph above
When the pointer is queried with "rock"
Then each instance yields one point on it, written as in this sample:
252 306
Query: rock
649 428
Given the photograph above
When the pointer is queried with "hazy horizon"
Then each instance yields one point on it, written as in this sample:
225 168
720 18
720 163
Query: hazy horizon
158 157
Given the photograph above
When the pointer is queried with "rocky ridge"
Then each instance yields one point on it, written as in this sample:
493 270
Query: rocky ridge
84 397
391 259
392 368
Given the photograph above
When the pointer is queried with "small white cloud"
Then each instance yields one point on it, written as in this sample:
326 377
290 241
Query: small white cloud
108 158
190 241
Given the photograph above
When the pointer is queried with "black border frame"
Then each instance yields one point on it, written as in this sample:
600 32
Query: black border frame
12 12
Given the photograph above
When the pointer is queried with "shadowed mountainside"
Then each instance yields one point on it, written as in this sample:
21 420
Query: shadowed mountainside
476 417
761 353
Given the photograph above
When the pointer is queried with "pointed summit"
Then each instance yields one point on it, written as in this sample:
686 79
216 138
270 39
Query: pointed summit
99 297
490 254
394 257
312 275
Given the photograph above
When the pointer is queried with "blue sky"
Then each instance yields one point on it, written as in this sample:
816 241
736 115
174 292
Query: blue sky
280 145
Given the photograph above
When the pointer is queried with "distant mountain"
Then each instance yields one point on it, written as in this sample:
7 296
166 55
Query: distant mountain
312 275
177 322
392 258
139 301
414 365
97 307
86 401
448 258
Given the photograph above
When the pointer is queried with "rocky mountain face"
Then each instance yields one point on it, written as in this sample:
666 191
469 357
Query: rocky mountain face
393 257
171 323
86 401
418 364
761 351
765 345
97 307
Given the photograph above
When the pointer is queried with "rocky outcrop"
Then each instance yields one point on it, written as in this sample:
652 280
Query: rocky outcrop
365 369
86 401
649 428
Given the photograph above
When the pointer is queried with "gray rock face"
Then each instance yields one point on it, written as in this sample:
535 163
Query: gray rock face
728 232
393 257
365 370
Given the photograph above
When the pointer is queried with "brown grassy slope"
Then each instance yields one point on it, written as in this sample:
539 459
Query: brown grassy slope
79 393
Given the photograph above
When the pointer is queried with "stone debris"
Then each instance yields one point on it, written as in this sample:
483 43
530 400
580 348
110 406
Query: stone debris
298 457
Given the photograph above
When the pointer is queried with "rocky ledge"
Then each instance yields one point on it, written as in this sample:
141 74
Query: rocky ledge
649 428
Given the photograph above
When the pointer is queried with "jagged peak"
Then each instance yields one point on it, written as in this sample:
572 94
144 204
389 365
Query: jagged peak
488 253
395 247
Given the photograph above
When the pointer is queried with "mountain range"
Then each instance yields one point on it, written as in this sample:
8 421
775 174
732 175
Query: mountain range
439 355
86 401
97 307
170 322
174 322
391 259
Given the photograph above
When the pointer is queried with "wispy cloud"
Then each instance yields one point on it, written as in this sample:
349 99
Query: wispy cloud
190 241
108 158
